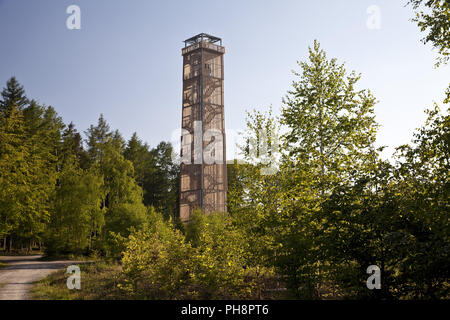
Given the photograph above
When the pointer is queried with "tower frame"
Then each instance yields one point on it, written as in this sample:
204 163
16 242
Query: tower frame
203 185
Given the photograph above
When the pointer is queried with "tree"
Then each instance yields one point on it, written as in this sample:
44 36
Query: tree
73 145
14 172
362 227
157 262
328 145
161 187
254 193
423 189
433 17
331 125
43 127
76 213
13 95
97 136
218 256
122 196
143 161
31 137
156 174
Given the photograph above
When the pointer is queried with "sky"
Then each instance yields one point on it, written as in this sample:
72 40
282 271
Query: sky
125 62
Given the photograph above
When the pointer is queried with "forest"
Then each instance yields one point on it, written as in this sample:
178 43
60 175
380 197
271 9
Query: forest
309 230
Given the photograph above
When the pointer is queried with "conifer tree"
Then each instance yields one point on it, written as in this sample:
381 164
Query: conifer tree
13 95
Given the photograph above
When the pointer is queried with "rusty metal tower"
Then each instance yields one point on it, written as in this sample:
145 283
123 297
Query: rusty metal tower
203 182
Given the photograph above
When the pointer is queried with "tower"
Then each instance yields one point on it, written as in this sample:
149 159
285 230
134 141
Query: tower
203 182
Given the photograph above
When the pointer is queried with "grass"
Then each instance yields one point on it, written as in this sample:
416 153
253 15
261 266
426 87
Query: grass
21 253
103 280
98 282
68 257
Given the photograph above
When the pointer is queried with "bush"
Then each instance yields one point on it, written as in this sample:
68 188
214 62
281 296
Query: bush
156 263
161 263
218 256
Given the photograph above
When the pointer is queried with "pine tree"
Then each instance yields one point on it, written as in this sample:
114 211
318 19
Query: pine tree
73 145
162 186
13 95
14 172
143 162
43 133
122 196
98 136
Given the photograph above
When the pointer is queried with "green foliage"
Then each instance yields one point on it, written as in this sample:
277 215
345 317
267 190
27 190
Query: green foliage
159 263
423 190
333 207
13 96
29 136
122 196
328 145
13 168
331 125
76 213
156 263
433 17
75 200
254 195
156 174
315 205
162 186
219 256
125 216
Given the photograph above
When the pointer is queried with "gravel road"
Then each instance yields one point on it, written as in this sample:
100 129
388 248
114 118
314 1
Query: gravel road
21 272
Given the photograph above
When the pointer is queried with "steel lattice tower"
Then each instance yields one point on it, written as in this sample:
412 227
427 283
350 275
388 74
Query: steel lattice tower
203 184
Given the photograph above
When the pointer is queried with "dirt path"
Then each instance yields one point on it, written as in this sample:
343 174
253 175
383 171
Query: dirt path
21 272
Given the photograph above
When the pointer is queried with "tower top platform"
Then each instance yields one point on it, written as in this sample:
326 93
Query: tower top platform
202 37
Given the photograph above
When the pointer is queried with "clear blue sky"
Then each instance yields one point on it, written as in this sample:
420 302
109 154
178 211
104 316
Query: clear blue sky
125 62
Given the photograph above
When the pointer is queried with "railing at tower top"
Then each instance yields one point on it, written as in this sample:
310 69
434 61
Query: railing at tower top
205 45
202 37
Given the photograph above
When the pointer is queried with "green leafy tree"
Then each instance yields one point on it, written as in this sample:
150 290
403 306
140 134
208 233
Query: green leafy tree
433 17
144 163
43 127
14 172
423 190
161 187
76 213
254 193
362 227
122 195
31 137
219 256
157 262
329 141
